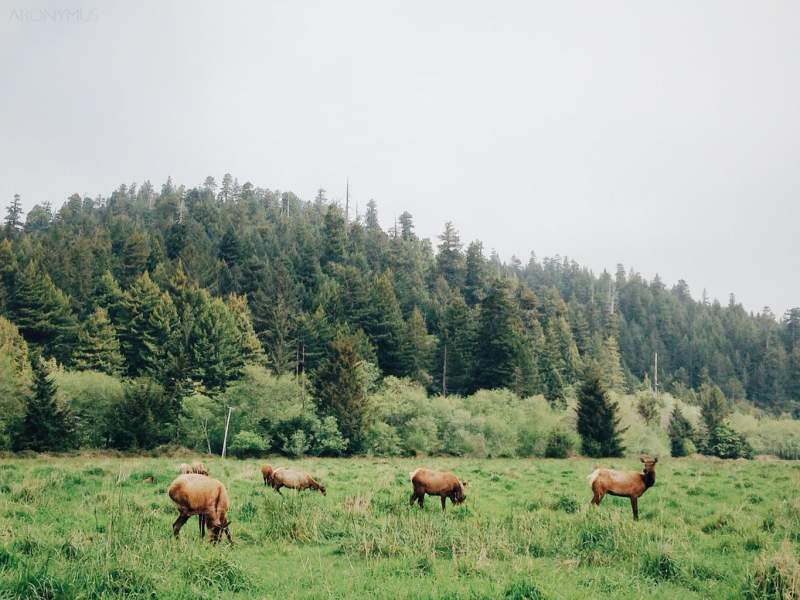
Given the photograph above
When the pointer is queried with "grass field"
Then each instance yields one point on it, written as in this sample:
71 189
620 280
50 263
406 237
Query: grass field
89 527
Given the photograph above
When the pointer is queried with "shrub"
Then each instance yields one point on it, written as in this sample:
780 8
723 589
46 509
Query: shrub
328 440
383 440
296 445
724 442
248 444
559 444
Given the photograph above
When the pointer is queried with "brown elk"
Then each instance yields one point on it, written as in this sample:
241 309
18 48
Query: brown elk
436 483
197 468
627 484
292 479
203 496
266 473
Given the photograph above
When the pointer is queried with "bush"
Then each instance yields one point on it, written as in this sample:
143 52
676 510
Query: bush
724 442
383 440
328 441
248 444
559 444
296 445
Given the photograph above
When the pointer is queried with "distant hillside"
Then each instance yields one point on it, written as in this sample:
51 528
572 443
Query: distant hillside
440 313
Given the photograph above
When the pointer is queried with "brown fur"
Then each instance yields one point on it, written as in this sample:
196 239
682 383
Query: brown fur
203 496
266 473
197 468
436 483
293 479
627 484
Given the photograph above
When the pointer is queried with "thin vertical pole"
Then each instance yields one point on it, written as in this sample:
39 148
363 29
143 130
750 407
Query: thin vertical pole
444 373
225 439
655 375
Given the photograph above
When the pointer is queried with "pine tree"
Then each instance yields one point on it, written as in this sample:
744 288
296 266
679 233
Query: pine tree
371 218
613 376
551 367
713 406
216 356
475 278
137 335
417 348
407 227
340 391
498 353
457 343
449 259
334 236
383 324
680 432
13 221
248 341
41 312
598 418
136 255
47 425
97 347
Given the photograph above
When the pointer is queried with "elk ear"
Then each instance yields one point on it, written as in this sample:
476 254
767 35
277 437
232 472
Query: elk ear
655 460
642 459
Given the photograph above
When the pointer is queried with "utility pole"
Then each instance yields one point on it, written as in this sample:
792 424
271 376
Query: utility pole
444 373
347 203
225 439
655 375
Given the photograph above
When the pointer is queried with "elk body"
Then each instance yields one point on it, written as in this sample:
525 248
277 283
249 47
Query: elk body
203 496
627 484
197 468
290 478
436 483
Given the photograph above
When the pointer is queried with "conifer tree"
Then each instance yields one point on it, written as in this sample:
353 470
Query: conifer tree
449 259
498 353
13 220
41 312
598 418
417 348
47 425
680 432
383 324
248 342
457 344
97 346
216 356
407 227
475 278
334 236
551 367
137 334
136 255
340 389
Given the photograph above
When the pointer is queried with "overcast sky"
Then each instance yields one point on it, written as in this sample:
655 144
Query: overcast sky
664 136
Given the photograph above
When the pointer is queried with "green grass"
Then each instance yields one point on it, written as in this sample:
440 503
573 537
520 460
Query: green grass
89 527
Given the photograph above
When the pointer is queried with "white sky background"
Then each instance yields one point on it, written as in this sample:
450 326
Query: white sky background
665 136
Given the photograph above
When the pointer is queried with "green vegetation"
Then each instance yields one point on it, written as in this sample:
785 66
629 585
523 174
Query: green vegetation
89 526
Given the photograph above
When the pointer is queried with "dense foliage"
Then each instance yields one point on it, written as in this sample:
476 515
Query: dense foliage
179 292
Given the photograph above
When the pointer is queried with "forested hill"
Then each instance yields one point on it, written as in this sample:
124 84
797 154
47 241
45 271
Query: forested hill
160 282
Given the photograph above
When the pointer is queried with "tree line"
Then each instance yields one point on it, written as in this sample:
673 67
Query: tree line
185 287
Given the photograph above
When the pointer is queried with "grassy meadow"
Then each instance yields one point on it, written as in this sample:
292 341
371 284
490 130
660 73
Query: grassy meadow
89 527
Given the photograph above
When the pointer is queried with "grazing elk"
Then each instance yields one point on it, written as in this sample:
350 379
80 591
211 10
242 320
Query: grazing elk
266 473
436 483
197 468
627 484
292 479
203 496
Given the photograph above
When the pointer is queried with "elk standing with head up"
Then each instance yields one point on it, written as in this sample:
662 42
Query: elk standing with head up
627 484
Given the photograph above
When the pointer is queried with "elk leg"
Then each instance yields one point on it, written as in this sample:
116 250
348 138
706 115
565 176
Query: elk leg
176 526
277 488
635 508
444 501
413 498
202 520
421 500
